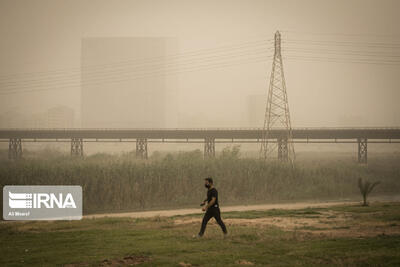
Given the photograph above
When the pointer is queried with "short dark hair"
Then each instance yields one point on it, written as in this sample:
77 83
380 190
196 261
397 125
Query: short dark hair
210 180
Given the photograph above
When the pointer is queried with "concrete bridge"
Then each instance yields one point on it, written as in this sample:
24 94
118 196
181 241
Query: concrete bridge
208 136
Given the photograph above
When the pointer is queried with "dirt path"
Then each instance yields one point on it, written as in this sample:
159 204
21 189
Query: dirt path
296 205
169 213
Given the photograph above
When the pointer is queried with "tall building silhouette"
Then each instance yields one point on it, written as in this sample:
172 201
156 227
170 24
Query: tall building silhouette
124 82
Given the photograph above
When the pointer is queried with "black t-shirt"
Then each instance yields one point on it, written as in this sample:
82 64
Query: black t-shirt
213 193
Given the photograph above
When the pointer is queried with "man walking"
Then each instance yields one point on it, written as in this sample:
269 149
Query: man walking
212 207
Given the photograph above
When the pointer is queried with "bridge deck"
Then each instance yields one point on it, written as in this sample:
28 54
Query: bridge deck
217 133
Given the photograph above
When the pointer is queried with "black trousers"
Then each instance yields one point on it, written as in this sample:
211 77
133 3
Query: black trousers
212 212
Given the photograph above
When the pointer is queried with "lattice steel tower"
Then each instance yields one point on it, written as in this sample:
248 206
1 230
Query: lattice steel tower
277 116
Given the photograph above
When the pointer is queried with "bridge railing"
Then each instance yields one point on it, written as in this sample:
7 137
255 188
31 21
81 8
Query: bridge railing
197 129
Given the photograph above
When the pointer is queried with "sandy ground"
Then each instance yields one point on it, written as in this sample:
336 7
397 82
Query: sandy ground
297 205
169 213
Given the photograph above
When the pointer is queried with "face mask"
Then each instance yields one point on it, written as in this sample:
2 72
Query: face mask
207 185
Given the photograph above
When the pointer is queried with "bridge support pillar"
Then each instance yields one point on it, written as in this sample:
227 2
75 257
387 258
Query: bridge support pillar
77 147
14 149
209 147
141 148
283 152
362 150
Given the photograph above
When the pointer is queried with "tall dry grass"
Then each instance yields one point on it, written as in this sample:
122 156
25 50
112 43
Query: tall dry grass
121 182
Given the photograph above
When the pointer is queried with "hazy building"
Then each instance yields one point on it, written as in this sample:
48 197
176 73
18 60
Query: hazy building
256 110
38 120
124 82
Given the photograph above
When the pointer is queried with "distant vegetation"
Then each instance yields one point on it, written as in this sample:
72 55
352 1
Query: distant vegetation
121 182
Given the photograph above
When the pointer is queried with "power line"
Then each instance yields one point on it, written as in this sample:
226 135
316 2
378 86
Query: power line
199 52
104 77
345 54
216 65
343 43
140 68
375 35
211 57
176 72
163 64
337 60
143 60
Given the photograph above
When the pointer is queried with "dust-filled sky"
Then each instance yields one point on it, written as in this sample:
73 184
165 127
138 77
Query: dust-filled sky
342 62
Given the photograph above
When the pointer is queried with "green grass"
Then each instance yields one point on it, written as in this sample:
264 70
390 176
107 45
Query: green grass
42 243
253 214
307 213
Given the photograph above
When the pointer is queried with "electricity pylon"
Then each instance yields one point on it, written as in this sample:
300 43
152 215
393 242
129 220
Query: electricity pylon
277 116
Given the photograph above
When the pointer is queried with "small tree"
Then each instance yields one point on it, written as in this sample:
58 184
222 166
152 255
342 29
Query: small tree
231 153
366 188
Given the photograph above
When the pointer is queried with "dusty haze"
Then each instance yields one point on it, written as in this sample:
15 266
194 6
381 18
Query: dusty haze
360 88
